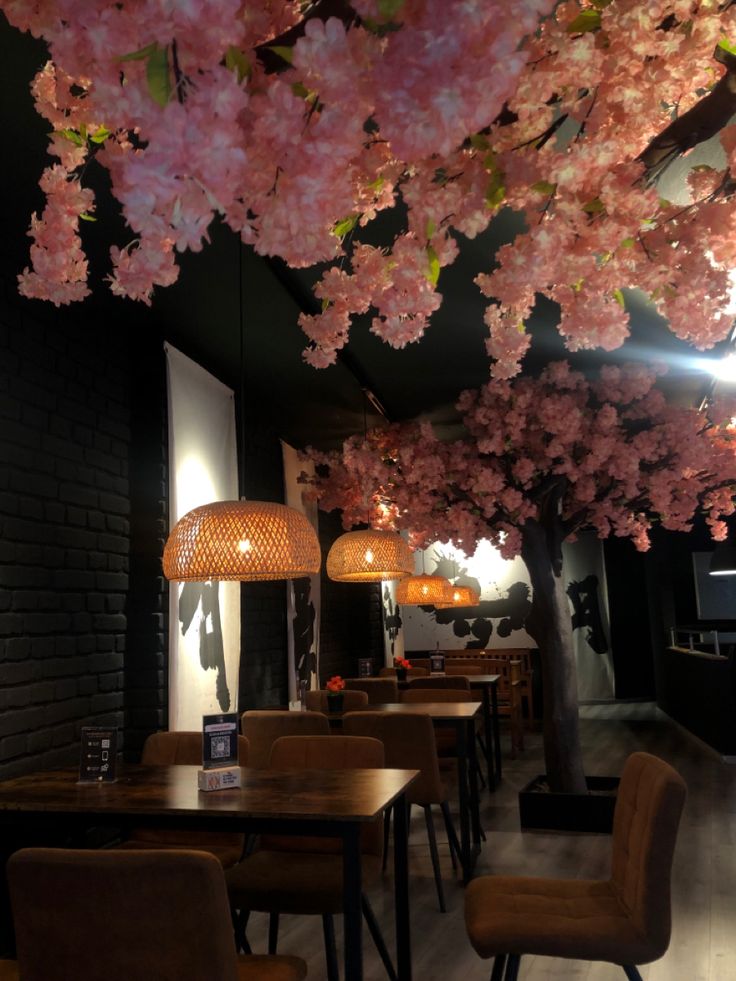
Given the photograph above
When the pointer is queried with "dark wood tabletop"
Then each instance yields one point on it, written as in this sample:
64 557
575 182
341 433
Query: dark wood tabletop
145 791
482 679
439 711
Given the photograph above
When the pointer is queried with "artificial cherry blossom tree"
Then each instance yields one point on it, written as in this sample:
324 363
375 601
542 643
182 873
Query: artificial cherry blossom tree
542 459
295 123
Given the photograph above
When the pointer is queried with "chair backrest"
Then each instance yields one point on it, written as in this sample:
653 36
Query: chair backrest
437 695
409 744
413 672
378 690
263 728
316 701
445 681
327 753
120 915
462 668
649 803
167 748
420 662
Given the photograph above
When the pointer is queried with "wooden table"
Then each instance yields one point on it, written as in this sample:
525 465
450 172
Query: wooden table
324 803
460 716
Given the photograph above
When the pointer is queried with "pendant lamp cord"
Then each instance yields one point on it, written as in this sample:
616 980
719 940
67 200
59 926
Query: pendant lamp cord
241 325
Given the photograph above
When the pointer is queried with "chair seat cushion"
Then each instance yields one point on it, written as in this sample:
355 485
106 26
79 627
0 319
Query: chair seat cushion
226 849
579 919
259 967
291 882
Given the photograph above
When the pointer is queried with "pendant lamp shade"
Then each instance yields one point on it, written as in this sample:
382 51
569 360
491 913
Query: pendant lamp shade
369 556
461 596
424 591
241 540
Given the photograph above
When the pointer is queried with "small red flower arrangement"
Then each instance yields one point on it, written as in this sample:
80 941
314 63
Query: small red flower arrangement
335 684
401 662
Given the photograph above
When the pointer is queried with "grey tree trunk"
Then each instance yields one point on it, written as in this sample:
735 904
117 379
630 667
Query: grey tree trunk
550 625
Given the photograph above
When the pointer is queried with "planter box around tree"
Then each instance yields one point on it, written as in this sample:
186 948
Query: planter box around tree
542 810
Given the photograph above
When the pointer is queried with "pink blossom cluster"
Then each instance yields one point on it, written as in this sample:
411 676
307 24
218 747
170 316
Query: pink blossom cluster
543 107
612 454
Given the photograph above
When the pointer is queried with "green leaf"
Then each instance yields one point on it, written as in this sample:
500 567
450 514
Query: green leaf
627 243
283 52
619 297
434 266
141 54
341 228
586 20
85 216
235 60
431 228
325 303
594 207
377 184
577 286
388 9
521 327
496 191
726 45
72 135
157 75
300 89
544 187
100 135
479 142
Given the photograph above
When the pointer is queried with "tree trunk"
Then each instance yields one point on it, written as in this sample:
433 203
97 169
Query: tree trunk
550 625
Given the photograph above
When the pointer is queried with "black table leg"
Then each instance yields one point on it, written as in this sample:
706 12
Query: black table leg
474 792
496 731
352 913
401 888
490 745
463 800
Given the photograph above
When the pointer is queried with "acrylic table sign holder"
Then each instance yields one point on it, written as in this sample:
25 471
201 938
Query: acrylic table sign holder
220 769
98 755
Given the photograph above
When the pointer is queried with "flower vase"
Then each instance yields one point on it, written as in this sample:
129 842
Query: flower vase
334 701
401 674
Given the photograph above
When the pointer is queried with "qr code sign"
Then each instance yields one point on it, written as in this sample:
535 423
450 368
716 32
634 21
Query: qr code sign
220 747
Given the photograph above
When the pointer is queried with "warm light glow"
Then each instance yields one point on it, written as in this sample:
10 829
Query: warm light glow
369 556
725 368
424 590
244 545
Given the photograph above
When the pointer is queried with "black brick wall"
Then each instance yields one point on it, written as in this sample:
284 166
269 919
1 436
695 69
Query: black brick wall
65 432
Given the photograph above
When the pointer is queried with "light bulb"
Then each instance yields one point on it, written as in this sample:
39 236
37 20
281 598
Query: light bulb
244 545
368 556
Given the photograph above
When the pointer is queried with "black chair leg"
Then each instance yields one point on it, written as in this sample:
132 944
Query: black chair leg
375 932
240 922
499 963
451 834
435 856
328 929
512 967
631 972
273 932
386 832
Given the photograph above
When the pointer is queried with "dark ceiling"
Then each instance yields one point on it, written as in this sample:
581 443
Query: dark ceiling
200 313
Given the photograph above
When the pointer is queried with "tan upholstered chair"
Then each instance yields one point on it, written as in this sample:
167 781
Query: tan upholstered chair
409 744
263 728
462 668
128 916
378 690
624 920
304 875
185 748
316 701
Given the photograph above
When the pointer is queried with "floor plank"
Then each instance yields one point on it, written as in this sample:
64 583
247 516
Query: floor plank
703 944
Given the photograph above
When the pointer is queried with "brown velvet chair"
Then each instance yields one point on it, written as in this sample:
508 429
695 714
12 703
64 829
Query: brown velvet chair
409 744
378 690
462 668
441 681
263 728
413 672
624 919
109 915
316 701
185 748
290 874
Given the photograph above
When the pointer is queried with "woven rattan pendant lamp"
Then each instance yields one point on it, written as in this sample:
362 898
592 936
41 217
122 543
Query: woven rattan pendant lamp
461 596
241 540
423 590
369 556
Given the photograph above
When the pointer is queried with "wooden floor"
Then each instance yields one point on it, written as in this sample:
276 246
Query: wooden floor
703 944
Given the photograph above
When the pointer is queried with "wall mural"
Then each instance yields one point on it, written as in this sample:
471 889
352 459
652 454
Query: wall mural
505 601
302 595
204 617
